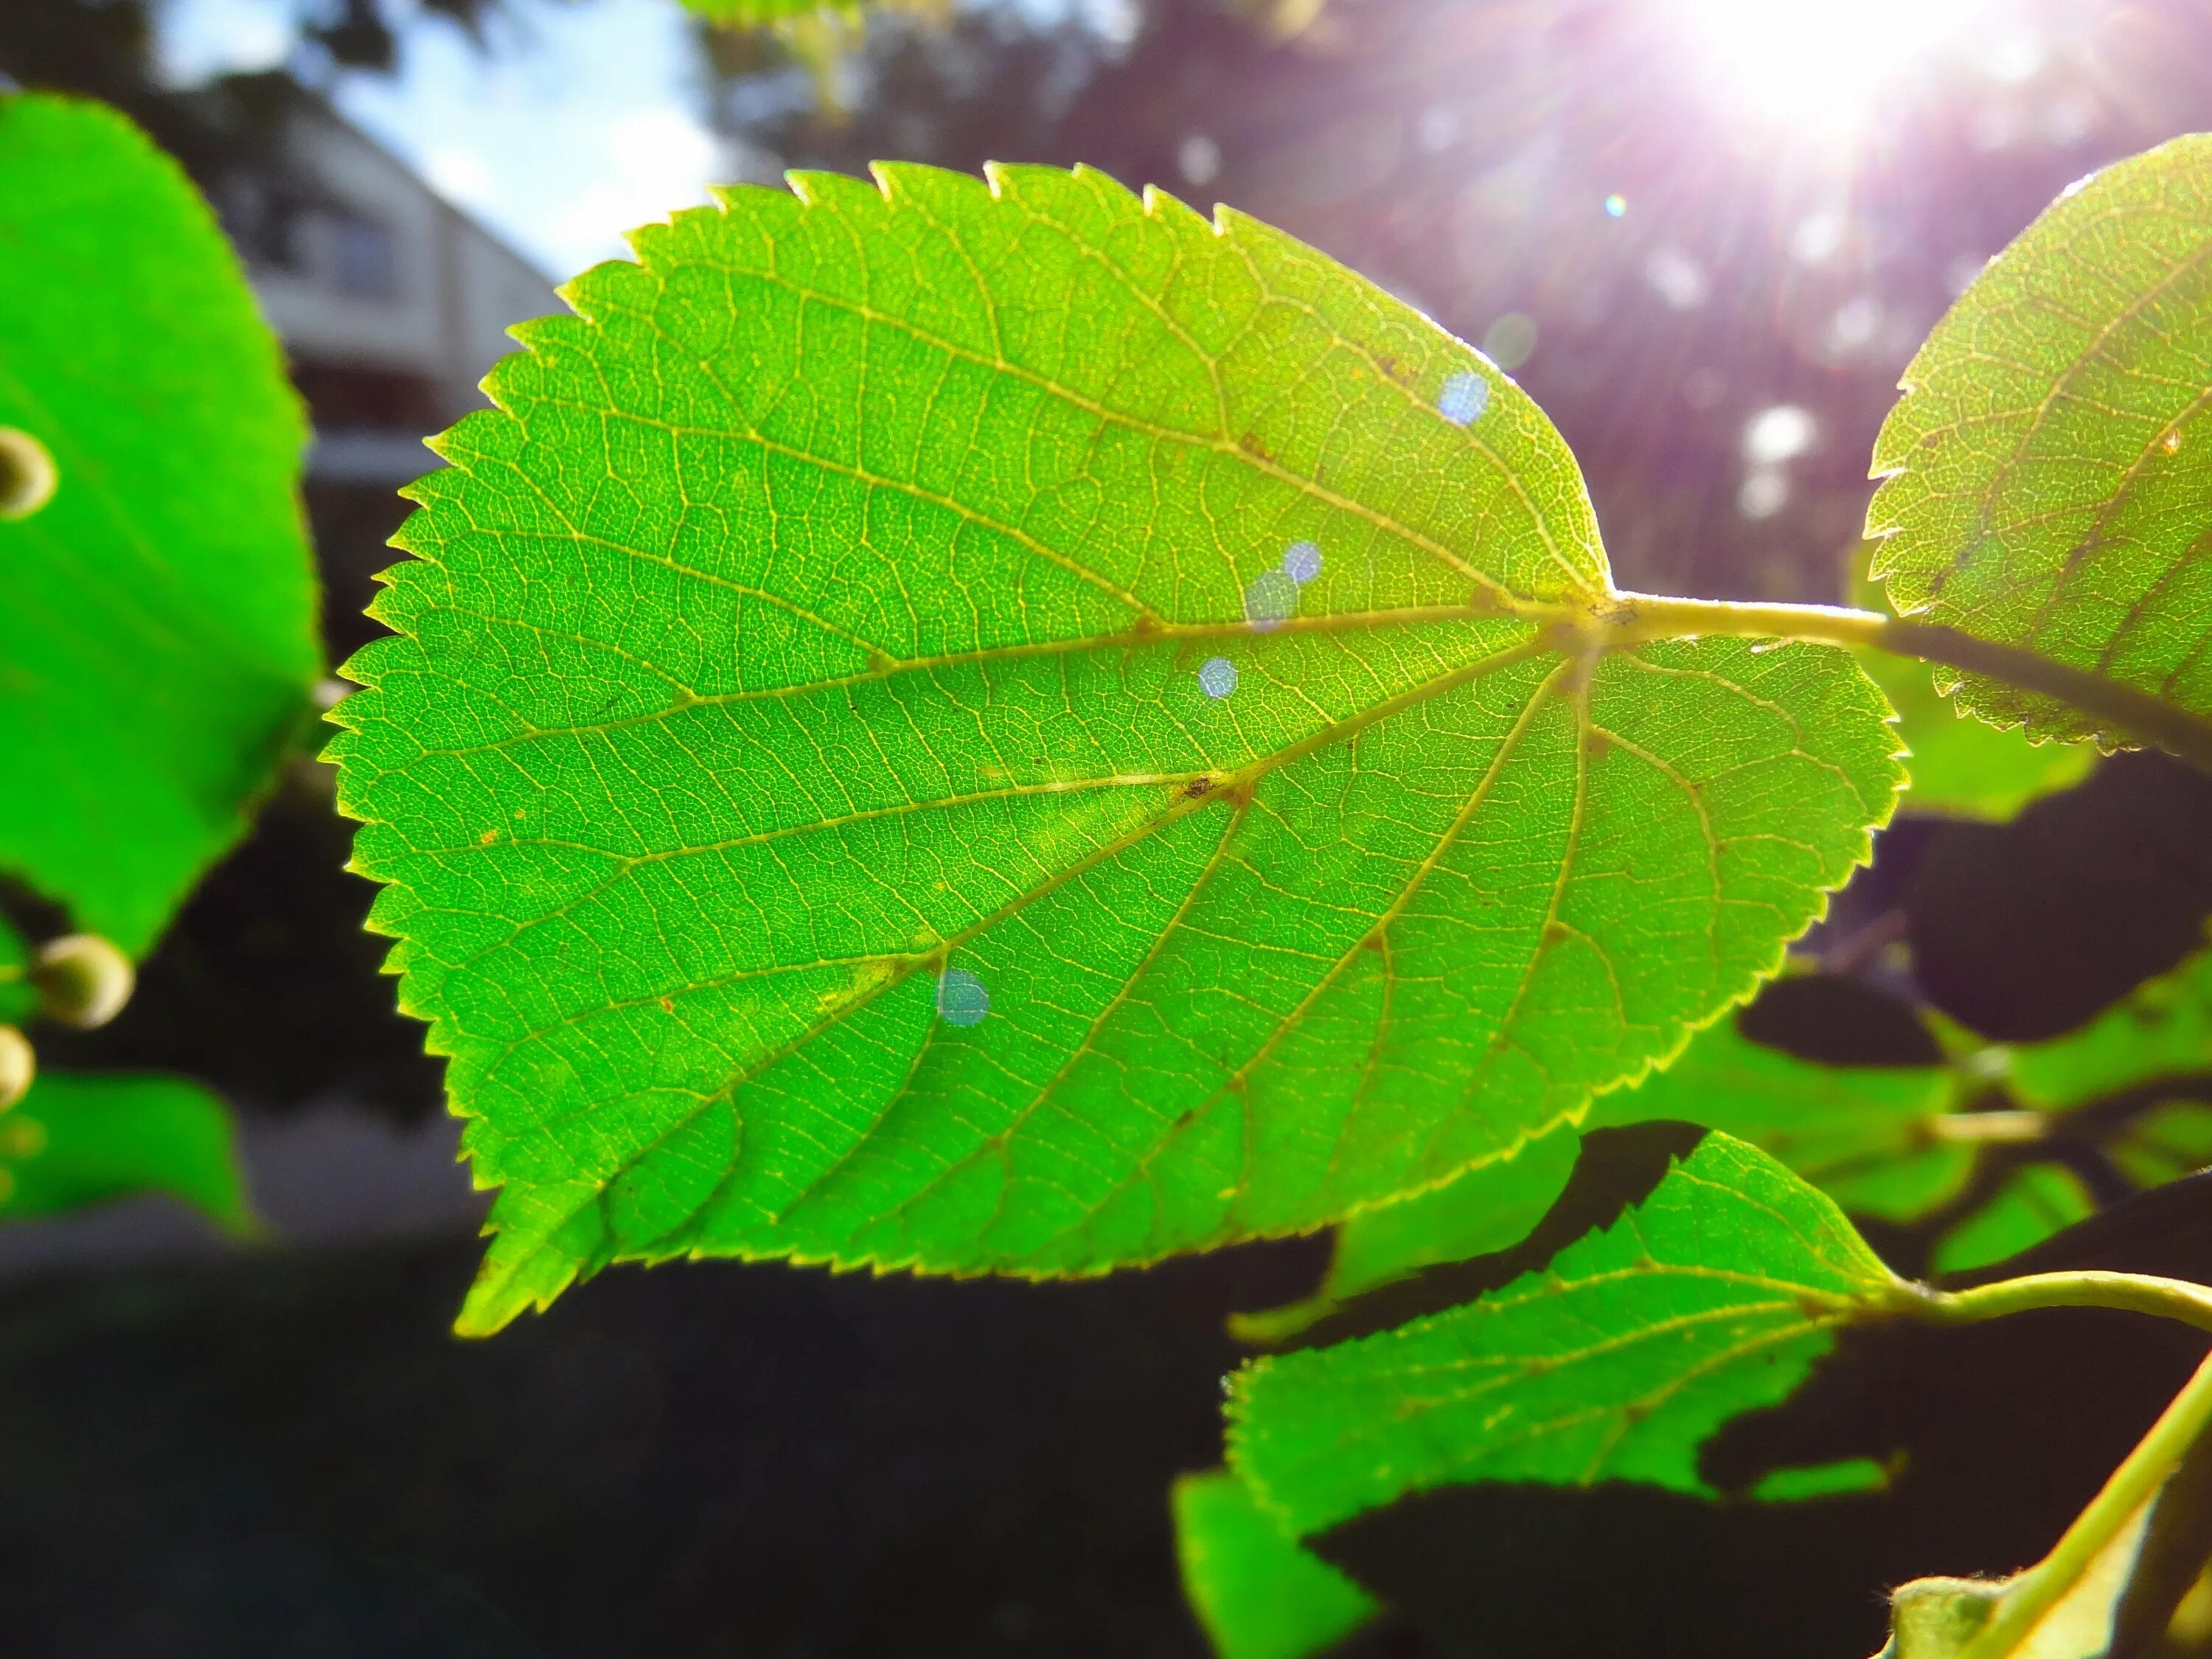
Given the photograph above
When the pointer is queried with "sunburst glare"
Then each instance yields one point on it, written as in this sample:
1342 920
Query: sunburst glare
1824 66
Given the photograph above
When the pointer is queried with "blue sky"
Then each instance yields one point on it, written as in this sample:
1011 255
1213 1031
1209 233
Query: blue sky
580 124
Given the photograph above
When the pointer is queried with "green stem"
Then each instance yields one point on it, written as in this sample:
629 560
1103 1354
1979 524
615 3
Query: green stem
2125 711
2000 1128
2169 1298
2042 1587
2132 1484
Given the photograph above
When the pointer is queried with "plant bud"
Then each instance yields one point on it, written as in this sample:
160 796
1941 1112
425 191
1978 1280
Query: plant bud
82 979
27 477
18 1066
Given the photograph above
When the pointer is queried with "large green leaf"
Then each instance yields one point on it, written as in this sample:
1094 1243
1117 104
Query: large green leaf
76 1140
1014 727
1256 1592
157 640
1613 1361
2052 459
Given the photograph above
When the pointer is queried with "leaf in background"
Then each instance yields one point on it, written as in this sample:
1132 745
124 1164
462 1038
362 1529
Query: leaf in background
2038 1201
1863 1134
1956 764
1961 766
2165 1143
17 1000
1255 1592
2051 458
77 1138
158 642
1014 727
1614 1360
2163 1027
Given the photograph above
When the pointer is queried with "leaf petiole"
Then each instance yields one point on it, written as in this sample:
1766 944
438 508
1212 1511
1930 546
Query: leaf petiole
1639 617
2168 1298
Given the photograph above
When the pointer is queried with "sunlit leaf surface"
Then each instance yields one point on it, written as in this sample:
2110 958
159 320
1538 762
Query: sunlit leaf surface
1862 1134
1613 1362
2052 452
157 636
1016 727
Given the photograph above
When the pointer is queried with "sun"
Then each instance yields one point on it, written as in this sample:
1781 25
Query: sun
1824 66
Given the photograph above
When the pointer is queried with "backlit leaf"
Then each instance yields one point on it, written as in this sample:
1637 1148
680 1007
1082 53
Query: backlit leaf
2053 458
1864 1134
1962 767
1613 1361
1016 727
157 640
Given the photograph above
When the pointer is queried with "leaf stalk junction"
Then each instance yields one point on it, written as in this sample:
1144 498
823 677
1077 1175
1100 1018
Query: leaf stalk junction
2136 713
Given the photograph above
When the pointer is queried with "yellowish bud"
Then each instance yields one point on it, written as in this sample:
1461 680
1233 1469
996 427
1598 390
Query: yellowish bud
28 475
82 979
18 1066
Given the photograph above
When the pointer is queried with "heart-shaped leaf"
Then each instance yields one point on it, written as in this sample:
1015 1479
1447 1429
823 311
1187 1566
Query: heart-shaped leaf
1016 727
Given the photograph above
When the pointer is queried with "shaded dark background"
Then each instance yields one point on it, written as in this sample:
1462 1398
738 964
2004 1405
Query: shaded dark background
283 1453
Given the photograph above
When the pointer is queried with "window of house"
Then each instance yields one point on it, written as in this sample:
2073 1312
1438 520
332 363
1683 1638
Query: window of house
364 256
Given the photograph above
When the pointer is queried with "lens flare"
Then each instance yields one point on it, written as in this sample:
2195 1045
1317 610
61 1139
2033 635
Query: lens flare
1823 66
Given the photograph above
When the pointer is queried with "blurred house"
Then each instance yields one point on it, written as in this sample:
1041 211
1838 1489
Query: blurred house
392 303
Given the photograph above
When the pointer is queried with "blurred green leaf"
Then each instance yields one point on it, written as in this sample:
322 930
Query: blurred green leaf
2038 1201
78 1138
158 641
2051 455
2163 1026
1012 727
1258 1594
1865 1134
1613 1361
17 998
2166 1143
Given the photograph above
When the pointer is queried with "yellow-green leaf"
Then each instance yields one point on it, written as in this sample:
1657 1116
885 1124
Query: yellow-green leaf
2052 459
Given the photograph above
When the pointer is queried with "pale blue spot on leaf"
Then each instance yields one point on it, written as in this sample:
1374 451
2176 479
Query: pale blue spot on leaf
1464 398
962 997
1302 561
1217 677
